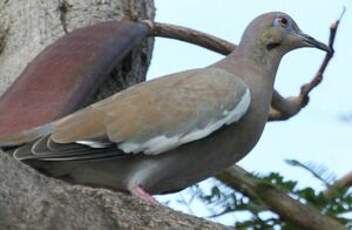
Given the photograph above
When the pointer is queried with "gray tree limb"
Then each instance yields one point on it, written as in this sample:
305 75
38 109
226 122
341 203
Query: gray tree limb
344 182
289 209
29 200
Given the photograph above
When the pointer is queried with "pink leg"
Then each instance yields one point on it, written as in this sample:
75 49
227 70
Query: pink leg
139 192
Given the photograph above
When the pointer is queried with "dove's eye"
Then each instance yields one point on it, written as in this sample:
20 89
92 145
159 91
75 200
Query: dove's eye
281 22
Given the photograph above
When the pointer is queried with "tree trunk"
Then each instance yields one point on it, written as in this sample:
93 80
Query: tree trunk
29 200
28 26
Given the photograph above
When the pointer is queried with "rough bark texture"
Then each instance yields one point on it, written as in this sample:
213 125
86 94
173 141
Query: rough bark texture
28 26
29 200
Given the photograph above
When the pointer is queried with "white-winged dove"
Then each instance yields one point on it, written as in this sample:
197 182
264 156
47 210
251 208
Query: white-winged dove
163 135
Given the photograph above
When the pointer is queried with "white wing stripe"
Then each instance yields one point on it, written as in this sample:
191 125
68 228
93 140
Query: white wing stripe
94 144
162 143
240 109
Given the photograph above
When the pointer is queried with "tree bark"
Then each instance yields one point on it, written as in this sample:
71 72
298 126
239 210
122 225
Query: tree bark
28 26
29 200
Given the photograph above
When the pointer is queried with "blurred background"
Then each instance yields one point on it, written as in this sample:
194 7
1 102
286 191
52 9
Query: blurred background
318 135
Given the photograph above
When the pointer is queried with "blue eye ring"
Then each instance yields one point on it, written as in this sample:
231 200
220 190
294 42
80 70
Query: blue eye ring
282 22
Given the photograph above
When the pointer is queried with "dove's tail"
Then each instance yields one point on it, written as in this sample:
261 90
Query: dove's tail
25 136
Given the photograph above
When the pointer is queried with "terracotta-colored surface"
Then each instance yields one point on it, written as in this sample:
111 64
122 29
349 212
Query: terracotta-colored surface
62 77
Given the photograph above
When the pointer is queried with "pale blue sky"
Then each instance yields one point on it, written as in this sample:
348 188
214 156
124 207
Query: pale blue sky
317 133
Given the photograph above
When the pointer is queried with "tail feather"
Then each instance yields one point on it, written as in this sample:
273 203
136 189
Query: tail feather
26 136
23 152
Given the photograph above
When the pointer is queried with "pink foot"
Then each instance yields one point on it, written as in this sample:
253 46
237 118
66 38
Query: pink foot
139 192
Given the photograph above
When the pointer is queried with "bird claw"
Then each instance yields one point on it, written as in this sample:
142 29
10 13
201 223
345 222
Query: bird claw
140 193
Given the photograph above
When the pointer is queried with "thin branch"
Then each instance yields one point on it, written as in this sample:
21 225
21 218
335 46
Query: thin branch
191 36
290 210
307 88
312 169
223 212
303 98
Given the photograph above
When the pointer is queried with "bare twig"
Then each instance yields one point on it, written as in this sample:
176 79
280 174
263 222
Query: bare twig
191 36
303 98
307 88
317 171
292 211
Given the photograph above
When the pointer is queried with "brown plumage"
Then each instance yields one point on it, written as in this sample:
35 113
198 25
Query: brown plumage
166 134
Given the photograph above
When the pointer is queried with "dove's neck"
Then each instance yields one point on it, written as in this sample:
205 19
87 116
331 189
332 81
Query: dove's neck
252 63
257 68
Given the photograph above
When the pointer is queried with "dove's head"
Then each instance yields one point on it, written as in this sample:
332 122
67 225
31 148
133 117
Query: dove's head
277 32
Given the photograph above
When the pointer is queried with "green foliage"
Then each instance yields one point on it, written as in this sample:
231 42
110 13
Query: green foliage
337 204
